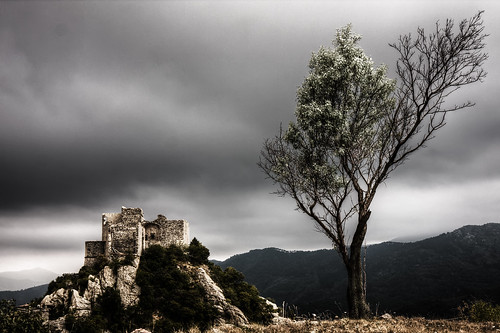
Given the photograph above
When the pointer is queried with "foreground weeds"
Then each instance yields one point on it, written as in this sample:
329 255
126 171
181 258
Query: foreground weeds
393 325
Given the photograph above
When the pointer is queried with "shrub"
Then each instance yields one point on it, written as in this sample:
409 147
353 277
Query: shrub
242 294
484 311
90 324
197 253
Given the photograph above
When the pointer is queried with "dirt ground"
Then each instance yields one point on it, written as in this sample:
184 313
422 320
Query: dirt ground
391 325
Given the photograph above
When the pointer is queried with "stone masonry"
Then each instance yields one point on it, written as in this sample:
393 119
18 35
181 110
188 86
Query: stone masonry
128 233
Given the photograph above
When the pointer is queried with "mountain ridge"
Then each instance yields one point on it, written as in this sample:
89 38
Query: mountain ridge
430 277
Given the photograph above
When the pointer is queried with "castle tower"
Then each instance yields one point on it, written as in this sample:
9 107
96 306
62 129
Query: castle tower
122 232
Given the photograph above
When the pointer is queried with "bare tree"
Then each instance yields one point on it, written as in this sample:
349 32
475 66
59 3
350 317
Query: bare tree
354 127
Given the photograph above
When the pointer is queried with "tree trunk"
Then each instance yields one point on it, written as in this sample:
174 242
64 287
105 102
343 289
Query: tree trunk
356 278
356 291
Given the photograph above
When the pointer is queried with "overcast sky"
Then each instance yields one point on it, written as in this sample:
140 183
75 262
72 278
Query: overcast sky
165 105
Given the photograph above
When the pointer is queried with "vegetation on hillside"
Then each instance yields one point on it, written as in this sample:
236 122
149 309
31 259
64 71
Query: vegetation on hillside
16 320
169 299
24 296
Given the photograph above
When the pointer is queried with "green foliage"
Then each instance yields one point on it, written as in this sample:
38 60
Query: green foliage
110 308
197 253
242 294
481 311
342 98
13 320
170 294
340 108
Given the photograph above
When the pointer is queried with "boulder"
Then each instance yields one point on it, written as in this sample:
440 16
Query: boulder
60 296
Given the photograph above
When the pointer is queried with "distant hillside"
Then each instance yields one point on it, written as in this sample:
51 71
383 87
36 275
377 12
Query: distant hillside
17 280
25 295
430 277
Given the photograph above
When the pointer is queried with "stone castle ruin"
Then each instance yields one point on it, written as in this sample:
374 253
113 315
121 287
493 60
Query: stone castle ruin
128 233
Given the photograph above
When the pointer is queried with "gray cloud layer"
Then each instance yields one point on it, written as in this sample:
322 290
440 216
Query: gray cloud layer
165 105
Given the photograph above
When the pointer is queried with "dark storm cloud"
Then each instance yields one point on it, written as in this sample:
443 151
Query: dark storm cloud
165 105
105 101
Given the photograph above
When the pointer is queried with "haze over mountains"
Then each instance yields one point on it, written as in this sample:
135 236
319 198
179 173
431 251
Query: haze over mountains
24 279
25 285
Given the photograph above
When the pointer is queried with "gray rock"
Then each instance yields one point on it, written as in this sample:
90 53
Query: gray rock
215 295
80 305
60 296
126 286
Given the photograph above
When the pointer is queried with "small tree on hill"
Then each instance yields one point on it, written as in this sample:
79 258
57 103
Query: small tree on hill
197 253
354 127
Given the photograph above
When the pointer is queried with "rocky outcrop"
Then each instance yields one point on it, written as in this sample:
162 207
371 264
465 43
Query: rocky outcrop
97 284
126 286
64 301
228 312
123 281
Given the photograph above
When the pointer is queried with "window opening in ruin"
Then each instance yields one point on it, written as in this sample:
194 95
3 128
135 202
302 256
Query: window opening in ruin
152 236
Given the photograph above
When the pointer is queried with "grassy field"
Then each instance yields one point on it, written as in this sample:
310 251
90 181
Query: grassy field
398 324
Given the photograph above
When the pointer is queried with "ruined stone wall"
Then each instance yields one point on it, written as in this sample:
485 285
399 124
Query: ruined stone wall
172 231
93 250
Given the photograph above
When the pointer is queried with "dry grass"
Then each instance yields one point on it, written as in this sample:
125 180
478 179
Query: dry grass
394 325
